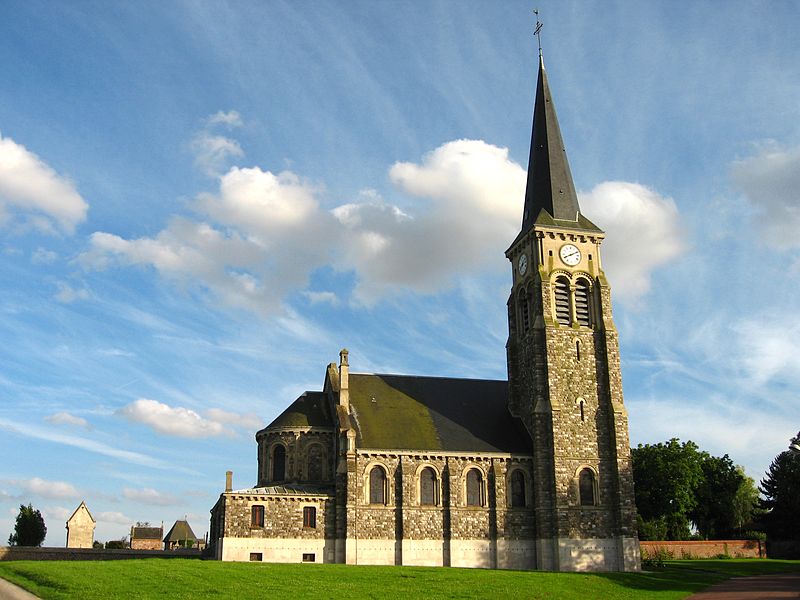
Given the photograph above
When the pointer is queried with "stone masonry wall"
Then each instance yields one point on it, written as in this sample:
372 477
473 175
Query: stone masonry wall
283 516
297 444
404 517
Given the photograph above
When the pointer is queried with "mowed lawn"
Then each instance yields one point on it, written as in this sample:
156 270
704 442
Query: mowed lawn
186 578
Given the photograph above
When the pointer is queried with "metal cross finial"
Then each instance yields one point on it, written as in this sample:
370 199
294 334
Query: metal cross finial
538 31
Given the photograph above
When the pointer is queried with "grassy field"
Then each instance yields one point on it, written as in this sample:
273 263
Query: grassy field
157 578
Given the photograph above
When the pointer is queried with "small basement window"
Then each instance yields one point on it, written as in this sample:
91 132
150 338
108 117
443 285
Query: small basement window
309 558
256 557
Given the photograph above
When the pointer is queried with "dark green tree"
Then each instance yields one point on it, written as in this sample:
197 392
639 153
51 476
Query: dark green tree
781 490
29 529
666 478
714 514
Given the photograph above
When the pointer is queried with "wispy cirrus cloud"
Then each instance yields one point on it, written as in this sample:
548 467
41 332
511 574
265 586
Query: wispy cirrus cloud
51 436
213 151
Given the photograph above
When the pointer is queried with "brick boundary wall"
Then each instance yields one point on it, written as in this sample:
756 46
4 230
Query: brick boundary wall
706 548
30 553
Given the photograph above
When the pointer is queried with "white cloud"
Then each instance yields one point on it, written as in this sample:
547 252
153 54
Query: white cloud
48 489
272 234
248 421
260 236
149 496
43 256
643 232
64 418
32 192
212 152
68 294
173 421
117 518
473 195
230 119
771 182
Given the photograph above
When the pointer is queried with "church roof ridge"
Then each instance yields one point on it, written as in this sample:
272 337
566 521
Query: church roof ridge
429 377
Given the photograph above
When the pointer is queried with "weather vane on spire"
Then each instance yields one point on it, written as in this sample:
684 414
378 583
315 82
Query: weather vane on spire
538 31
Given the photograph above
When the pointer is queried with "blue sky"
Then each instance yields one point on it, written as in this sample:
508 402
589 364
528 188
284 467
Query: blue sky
201 203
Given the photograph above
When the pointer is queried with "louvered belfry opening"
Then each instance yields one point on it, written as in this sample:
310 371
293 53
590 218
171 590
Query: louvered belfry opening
525 308
583 310
563 309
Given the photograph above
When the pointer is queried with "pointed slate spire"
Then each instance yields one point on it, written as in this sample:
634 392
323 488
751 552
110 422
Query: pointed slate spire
550 185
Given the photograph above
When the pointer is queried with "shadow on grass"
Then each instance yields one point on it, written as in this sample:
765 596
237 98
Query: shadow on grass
697 575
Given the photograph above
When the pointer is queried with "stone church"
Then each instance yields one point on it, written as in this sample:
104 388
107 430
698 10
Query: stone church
532 473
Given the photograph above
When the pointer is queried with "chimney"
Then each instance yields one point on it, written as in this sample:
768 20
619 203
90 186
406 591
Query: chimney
344 380
228 481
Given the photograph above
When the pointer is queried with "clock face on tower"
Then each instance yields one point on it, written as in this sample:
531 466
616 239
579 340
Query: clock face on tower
522 265
570 255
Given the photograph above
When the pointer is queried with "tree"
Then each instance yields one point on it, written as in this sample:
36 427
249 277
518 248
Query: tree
781 490
666 477
714 513
746 504
29 529
678 487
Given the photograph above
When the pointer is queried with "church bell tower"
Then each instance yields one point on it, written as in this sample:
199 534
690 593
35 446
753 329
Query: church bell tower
564 370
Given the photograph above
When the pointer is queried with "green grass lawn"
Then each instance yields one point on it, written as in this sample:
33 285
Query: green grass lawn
184 578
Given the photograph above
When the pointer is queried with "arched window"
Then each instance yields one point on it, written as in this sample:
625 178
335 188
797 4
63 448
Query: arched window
428 492
517 489
474 488
525 310
562 300
586 487
377 486
583 307
314 460
278 463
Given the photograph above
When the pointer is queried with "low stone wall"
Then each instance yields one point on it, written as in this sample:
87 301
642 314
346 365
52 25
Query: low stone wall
28 553
705 549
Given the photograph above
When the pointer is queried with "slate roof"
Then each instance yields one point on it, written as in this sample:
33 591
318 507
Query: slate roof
288 489
404 412
550 187
309 410
147 533
180 531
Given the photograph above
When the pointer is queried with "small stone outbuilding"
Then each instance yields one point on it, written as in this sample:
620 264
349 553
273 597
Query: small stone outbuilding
146 537
180 536
80 528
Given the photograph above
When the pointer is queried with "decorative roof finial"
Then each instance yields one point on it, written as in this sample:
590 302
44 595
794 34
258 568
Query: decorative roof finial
538 31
